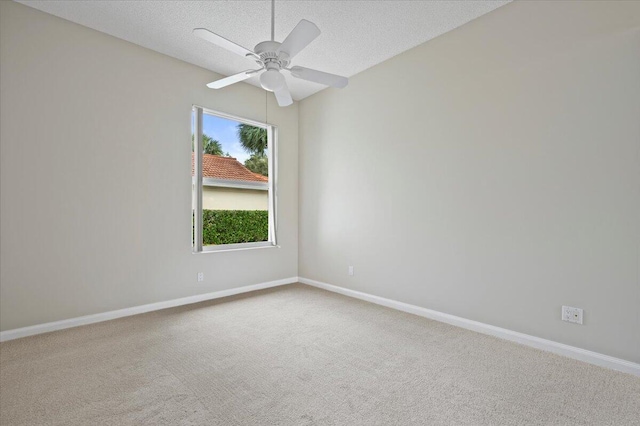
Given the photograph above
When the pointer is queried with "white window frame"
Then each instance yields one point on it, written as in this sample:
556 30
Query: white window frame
197 180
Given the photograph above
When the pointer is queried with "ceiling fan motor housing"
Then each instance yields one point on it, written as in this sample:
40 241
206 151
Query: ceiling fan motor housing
270 58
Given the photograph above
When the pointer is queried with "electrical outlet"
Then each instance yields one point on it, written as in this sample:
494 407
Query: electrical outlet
200 276
351 270
572 314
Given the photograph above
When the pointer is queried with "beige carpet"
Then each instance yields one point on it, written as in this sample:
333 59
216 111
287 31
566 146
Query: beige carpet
296 355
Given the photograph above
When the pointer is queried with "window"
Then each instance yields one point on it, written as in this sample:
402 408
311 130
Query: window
233 182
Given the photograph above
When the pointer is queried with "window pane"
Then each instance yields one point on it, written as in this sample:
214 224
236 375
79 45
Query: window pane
235 182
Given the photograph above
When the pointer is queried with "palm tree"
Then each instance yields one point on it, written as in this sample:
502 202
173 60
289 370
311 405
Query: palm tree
210 145
257 164
253 139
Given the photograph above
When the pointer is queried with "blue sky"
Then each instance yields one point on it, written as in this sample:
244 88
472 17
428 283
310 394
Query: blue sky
225 131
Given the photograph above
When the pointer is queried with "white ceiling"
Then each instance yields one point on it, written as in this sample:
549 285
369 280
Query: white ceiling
355 34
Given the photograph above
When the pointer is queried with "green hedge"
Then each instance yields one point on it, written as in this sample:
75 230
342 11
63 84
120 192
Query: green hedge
234 226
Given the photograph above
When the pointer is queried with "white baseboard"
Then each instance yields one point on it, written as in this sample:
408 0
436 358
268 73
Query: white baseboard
525 339
106 316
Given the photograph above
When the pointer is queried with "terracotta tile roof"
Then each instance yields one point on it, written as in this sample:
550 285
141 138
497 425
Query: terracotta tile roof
217 167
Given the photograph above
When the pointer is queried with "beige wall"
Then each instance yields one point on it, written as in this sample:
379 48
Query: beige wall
82 110
217 198
492 173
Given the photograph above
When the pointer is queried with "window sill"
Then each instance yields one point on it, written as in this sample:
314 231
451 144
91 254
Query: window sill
236 247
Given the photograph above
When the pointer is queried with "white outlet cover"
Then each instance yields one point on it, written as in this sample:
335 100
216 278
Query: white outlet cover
200 276
572 314
350 270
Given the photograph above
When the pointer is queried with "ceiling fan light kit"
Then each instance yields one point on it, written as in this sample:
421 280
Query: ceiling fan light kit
273 57
272 80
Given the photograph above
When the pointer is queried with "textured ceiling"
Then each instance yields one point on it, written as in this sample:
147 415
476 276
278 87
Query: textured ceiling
355 34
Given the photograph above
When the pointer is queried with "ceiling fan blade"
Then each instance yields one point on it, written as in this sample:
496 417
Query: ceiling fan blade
214 38
227 81
283 96
319 77
303 34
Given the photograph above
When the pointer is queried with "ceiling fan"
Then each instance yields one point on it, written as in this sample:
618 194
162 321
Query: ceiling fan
273 57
